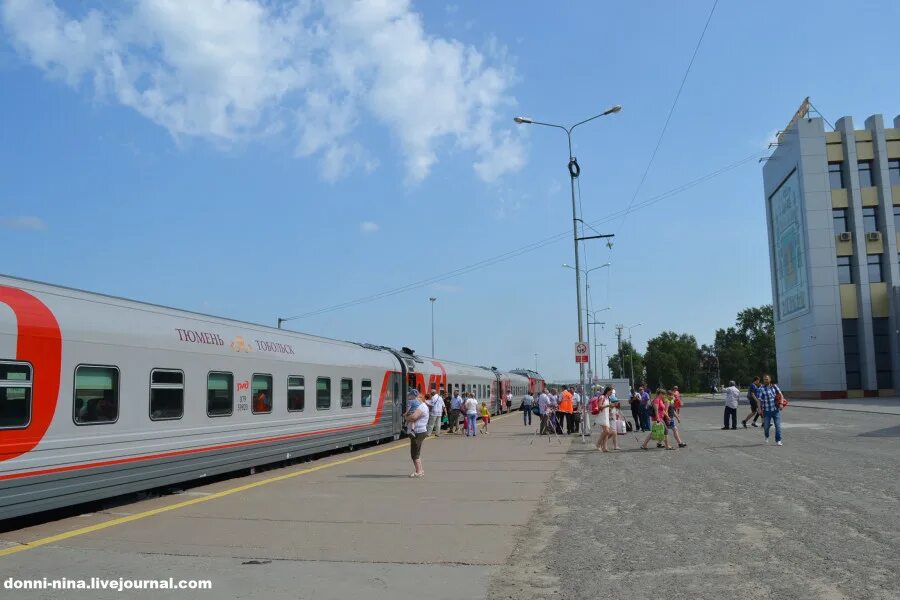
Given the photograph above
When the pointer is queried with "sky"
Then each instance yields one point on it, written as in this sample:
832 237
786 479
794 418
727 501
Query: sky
257 159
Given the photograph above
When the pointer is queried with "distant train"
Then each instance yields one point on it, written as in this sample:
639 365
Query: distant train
101 396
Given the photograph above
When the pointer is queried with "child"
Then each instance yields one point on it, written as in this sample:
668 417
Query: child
485 418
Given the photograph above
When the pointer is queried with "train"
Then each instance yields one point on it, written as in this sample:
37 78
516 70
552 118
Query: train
102 396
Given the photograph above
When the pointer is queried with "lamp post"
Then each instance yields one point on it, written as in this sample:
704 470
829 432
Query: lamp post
593 315
574 172
432 325
631 353
535 362
587 288
601 346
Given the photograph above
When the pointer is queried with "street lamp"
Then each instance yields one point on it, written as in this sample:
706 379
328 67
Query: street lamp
631 352
601 346
574 172
432 326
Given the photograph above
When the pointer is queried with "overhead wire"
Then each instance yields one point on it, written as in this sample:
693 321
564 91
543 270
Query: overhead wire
669 116
523 249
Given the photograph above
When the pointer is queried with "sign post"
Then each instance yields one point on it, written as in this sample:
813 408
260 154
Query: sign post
581 352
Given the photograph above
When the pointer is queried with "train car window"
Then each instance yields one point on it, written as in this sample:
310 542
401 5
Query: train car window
96 395
323 393
15 395
219 394
366 388
346 393
166 394
296 393
261 393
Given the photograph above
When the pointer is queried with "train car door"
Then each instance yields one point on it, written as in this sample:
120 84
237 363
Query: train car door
395 385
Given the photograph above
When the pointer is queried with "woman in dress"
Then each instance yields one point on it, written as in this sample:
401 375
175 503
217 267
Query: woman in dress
603 420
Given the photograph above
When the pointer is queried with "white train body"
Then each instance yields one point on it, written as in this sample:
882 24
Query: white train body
102 396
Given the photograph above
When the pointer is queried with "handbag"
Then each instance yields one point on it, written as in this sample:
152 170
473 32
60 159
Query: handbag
658 432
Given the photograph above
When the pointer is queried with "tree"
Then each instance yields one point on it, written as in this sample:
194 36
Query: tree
673 359
747 349
621 368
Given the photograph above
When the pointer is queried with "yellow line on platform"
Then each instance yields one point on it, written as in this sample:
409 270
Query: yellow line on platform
143 515
156 511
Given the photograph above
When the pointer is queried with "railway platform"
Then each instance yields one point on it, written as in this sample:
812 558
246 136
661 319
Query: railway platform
349 525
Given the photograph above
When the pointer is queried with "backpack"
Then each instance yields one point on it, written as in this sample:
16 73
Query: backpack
595 405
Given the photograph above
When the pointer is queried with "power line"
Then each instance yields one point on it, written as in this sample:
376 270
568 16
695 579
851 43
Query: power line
522 250
669 116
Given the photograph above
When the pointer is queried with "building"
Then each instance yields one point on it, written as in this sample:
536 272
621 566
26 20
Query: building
833 215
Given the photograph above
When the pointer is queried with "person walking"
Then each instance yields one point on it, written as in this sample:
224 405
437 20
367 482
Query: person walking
657 411
576 409
731 403
753 399
509 401
485 417
436 413
527 402
603 420
471 409
417 427
770 398
455 406
677 397
673 418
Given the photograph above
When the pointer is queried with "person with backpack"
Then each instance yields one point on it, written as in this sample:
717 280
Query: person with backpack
771 401
753 399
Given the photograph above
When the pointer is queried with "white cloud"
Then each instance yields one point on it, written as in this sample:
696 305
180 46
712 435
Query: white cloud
24 222
368 227
229 70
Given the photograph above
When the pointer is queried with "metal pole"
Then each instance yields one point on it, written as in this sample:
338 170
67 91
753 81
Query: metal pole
573 165
432 325
621 361
535 362
631 359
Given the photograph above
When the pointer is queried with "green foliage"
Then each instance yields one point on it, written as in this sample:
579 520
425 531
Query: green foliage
621 369
673 359
748 349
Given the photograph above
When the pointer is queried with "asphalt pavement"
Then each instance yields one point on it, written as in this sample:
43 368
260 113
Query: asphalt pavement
726 517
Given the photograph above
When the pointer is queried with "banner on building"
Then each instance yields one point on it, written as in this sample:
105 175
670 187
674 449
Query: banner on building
788 226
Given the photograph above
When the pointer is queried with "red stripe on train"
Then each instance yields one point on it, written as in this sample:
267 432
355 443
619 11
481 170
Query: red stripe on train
39 342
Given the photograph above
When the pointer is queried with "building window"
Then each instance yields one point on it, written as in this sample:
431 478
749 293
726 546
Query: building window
166 394
323 393
96 395
261 392
366 389
882 341
865 173
845 273
296 393
835 175
851 354
874 263
346 393
15 395
897 219
839 217
894 170
219 394
870 219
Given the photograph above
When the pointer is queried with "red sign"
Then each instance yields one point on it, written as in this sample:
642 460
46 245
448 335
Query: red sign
581 358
